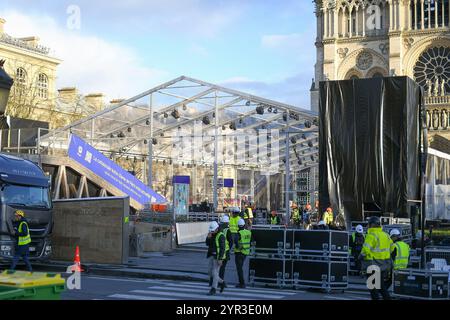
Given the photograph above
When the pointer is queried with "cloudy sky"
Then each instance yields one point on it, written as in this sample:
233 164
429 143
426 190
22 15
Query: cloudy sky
122 48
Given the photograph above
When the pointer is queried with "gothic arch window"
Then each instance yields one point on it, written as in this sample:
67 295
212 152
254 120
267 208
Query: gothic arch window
377 72
353 74
432 70
42 86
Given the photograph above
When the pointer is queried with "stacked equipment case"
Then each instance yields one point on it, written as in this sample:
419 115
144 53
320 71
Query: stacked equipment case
299 258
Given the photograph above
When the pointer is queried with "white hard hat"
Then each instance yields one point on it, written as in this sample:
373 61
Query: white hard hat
322 223
241 223
225 219
394 232
359 228
213 226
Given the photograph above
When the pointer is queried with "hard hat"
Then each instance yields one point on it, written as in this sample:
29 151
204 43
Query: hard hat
359 228
241 223
235 209
394 232
213 226
322 223
20 213
374 220
225 219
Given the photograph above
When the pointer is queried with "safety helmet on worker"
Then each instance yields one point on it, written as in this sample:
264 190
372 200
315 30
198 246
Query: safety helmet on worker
19 213
225 219
213 226
241 223
374 220
359 229
394 233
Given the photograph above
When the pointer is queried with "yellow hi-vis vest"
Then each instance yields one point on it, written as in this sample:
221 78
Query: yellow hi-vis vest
377 245
244 242
248 213
26 239
234 228
274 220
219 234
227 244
328 217
402 257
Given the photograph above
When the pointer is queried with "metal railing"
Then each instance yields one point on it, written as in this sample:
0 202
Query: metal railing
21 140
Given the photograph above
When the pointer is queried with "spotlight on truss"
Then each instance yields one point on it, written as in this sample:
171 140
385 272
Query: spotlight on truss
154 141
175 114
310 144
248 103
308 124
206 120
260 110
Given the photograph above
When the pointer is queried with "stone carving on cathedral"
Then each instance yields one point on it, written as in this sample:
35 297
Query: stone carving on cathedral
435 119
384 48
444 119
342 52
430 87
436 87
428 119
443 88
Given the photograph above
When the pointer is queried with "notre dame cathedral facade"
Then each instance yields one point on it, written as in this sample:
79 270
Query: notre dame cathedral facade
375 38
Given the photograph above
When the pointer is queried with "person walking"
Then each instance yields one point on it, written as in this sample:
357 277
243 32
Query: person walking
399 254
242 251
22 232
216 254
356 243
376 251
224 228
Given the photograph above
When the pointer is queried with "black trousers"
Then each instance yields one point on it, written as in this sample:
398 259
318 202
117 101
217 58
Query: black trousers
222 268
21 252
239 258
383 291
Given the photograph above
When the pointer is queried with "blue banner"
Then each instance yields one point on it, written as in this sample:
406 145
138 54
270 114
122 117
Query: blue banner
95 161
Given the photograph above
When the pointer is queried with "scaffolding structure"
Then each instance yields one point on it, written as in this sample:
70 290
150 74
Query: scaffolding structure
188 126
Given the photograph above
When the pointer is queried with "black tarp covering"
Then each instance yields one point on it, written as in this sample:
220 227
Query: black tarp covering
369 145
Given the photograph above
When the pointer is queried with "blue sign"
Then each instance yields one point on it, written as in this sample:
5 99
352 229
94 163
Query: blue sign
228 183
95 161
181 179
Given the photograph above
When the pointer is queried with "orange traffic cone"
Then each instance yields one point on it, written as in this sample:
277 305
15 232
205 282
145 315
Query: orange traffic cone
76 261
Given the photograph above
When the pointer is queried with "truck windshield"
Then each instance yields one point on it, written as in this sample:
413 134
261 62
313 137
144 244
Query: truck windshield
26 196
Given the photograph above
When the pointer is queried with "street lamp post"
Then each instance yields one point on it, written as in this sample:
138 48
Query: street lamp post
6 83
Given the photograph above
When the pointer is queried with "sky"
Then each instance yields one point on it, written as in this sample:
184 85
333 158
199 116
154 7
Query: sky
122 48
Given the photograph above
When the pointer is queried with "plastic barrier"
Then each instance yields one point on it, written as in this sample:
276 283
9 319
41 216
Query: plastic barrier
192 232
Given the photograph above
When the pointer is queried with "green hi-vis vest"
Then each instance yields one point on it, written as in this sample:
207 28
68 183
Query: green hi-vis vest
244 242
273 220
218 246
402 258
377 245
234 228
26 239
227 244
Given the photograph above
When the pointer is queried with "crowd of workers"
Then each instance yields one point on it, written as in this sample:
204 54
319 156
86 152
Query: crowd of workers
375 248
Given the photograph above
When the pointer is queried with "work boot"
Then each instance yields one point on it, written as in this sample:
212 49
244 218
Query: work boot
223 285
212 292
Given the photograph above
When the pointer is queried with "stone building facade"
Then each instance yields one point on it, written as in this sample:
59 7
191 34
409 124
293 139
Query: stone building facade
34 95
374 38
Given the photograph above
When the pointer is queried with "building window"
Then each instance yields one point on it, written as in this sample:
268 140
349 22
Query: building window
42 86
21 77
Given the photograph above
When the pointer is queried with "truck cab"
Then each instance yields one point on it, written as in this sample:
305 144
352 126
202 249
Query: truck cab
24 186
